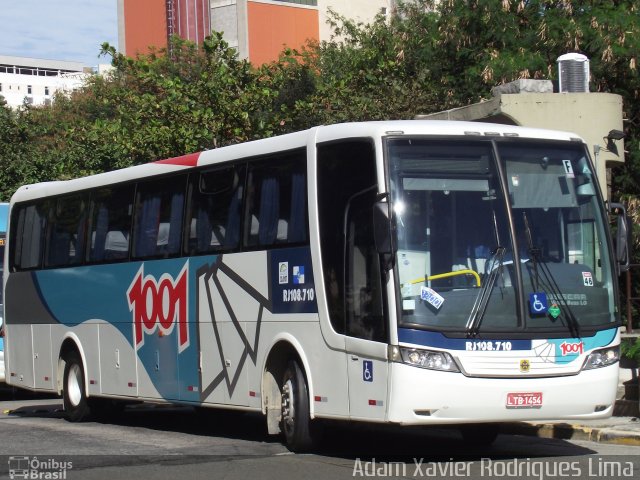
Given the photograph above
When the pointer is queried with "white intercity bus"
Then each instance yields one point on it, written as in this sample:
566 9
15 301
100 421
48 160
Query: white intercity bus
400 272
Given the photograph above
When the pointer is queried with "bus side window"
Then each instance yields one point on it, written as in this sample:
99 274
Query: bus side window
111 224
213 222
347 187
277 202
27 238
158 223
67 231
365 314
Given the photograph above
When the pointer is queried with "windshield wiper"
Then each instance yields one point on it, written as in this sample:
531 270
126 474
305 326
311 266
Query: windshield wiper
533 251
549 281
482 299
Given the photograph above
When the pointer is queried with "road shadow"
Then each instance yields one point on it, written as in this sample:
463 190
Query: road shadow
339 440
435 444
9 393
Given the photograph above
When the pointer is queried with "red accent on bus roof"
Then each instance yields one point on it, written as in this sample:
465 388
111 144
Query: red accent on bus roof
190 160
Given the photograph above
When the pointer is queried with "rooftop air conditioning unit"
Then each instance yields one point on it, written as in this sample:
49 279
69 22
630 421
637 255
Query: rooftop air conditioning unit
573 73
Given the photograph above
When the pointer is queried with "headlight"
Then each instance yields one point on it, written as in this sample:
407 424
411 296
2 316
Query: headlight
429 359
602 358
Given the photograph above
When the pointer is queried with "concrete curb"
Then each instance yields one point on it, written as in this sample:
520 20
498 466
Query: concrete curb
566 431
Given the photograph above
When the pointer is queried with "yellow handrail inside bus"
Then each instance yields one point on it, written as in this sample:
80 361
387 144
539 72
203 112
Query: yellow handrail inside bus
449 274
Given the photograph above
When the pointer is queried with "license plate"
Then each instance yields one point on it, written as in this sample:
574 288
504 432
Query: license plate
524 400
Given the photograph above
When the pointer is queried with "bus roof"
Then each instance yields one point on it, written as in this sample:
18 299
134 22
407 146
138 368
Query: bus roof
288 142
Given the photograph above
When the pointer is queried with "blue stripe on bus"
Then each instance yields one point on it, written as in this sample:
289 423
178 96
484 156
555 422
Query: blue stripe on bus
76 295
101 291
600 339
438 340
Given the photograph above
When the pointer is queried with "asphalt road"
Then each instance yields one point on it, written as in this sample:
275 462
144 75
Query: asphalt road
166 443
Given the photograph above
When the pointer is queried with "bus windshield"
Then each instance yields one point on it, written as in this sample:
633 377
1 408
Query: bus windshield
500 235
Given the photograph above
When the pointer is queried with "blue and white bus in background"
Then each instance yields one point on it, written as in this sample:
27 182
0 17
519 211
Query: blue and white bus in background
4 213
402 272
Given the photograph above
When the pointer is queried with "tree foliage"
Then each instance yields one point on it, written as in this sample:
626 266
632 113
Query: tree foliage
19 162
430 56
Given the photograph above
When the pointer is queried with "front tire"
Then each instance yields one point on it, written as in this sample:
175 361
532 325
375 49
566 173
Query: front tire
296 422
76 407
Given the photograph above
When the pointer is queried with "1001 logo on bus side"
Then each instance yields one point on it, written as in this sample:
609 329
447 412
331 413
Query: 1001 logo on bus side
159 304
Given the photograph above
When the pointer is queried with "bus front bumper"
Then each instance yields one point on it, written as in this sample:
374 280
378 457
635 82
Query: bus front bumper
421 397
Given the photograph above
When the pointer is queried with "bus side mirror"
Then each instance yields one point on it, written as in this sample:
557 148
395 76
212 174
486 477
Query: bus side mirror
623 236
383 229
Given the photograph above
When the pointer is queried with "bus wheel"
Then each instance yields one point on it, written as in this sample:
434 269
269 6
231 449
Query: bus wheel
296 423
76 407
479 435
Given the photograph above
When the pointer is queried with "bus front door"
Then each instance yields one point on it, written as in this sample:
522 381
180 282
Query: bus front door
368 373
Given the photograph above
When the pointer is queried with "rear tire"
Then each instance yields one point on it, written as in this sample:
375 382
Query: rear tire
76 407
296 422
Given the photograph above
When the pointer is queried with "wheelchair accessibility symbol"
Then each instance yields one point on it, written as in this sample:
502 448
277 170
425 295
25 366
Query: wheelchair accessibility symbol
538 303
367 370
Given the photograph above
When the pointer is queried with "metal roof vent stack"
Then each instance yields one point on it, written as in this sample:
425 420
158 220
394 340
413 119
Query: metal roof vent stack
573 73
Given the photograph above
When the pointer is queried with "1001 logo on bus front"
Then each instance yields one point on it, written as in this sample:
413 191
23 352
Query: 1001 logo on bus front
159 304
571 348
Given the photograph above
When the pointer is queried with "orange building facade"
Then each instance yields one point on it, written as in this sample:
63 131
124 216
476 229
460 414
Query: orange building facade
258 29
273 27
147 24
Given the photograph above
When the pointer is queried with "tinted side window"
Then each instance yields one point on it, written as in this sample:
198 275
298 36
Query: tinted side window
110 233
347 185
277 201
67 230
159 213
215 210
364 293
27 235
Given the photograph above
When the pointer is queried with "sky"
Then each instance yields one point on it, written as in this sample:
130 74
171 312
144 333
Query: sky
70 30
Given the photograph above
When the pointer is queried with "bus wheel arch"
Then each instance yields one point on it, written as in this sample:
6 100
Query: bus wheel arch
72 381
272 375
287 396
69 346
